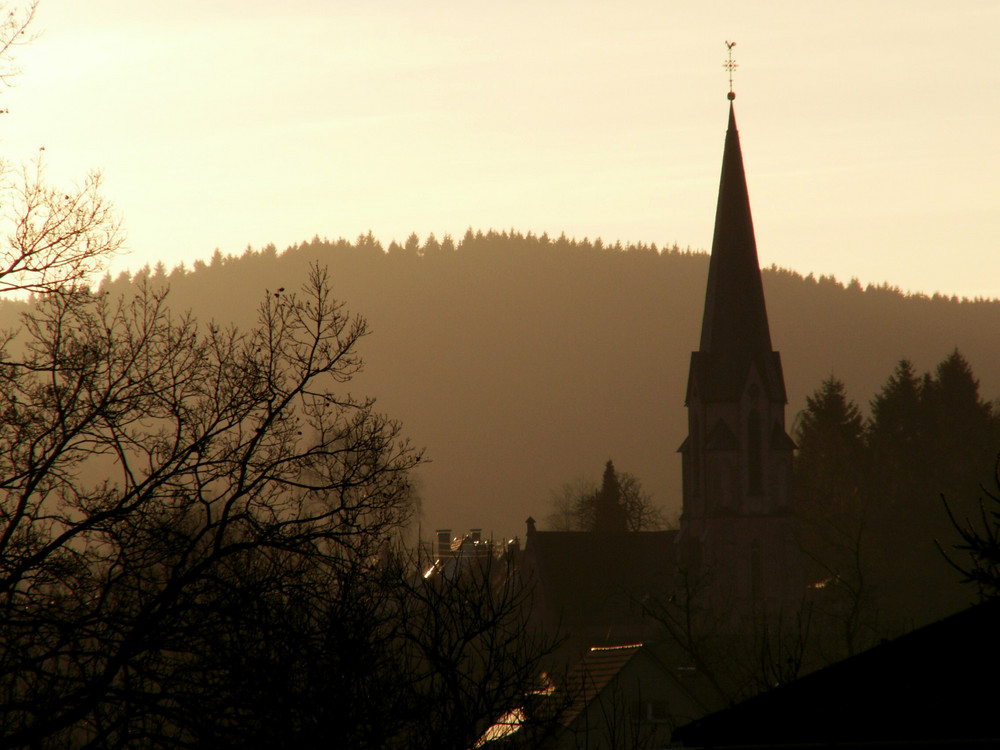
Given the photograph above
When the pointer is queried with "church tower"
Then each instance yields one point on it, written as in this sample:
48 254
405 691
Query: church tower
738 522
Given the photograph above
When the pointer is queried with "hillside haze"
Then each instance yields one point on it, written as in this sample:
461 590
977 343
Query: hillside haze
521 363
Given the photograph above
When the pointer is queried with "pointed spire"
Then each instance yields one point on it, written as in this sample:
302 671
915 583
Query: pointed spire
735 330
735 318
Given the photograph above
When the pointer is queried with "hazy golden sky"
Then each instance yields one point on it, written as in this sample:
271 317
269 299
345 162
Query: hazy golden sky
868 128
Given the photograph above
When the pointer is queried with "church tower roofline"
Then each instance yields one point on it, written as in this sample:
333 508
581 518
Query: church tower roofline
735 333
735 315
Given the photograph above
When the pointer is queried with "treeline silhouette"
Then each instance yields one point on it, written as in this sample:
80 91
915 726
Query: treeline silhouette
521 361
872 491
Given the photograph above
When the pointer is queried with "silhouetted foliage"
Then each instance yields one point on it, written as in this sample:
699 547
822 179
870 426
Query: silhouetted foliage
735 654
200 542
830 437
619 504
156 475
830 472
895 432
464 654
874 486
53 237
952 435
608 506
378 656
980 540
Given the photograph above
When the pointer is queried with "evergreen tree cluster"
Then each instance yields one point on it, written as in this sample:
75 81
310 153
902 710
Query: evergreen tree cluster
870 489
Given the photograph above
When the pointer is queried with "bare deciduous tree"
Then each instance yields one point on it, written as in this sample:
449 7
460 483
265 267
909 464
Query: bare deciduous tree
53 238
980 541
735 653
150 467
13 33
197 524
50 238
467 654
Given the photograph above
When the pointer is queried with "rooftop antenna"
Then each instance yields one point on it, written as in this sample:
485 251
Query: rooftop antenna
730 65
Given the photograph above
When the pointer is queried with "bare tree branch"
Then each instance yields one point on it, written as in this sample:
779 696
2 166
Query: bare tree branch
143 456
54 239
13 34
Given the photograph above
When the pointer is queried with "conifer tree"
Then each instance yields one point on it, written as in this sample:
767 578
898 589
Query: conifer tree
830 436
619 504
829 476
896 434
609 513
963 426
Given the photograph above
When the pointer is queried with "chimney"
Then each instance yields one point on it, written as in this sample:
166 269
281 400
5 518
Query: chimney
443 543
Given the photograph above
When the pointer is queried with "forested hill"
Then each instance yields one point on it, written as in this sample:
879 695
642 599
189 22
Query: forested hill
522 362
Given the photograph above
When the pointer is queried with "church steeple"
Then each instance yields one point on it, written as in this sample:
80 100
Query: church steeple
734 330
735 317
738 501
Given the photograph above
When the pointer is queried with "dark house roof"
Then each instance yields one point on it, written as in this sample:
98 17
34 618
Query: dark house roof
937 686
592 674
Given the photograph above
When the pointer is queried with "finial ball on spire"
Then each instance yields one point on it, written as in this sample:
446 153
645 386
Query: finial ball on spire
730 96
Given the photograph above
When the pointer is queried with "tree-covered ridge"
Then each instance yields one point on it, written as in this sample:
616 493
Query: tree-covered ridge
519 360
512 245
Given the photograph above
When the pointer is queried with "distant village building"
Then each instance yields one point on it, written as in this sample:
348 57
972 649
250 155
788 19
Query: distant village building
449 555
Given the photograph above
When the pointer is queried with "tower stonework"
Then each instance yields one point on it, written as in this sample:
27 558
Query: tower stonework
738 524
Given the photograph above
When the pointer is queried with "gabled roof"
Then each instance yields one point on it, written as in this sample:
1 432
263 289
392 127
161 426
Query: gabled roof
599 666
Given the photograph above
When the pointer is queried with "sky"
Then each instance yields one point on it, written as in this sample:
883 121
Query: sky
868 128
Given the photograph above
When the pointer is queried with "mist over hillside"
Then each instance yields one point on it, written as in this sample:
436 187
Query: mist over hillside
521 362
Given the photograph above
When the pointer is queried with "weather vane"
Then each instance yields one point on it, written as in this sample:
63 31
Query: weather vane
730 65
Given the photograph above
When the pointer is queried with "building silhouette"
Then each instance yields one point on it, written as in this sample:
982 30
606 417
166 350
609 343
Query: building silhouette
738 524
738 533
